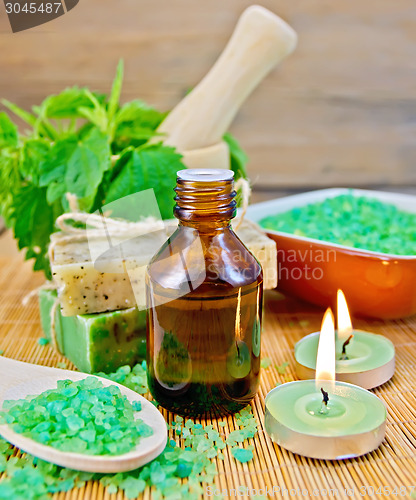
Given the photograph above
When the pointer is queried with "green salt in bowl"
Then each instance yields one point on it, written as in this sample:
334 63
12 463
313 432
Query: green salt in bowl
376 284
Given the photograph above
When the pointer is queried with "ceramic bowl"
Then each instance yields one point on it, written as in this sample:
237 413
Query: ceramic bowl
375 284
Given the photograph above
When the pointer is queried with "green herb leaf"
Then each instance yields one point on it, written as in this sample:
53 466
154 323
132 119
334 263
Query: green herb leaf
8 132
10 181
34 223
67 103
96 116
238 157
148 167
135 123
40 128
139 113
53 169
113 102
87 164
33 153
76 167
21 113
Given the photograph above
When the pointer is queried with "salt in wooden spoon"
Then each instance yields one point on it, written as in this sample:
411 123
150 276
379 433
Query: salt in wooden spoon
18 380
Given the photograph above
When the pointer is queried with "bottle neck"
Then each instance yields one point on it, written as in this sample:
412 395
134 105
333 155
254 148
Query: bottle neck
205 204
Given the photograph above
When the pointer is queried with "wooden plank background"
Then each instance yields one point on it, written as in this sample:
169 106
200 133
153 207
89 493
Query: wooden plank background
340 111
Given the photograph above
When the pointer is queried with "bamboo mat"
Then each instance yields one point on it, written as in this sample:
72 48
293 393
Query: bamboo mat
393 465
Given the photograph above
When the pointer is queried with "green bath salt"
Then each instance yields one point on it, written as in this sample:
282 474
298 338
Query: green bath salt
353 221
82 417
183 470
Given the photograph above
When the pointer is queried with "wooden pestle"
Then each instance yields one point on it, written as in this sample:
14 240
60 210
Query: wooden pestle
197 124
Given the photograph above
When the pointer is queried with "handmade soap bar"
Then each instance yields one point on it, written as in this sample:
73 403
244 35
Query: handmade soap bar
85 287
263 248
115 280
96 342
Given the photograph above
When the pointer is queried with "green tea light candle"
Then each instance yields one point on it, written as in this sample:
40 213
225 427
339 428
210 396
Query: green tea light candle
354 423
369 362
322 418
362 358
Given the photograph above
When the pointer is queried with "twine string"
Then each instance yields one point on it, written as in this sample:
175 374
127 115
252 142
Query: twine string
244 185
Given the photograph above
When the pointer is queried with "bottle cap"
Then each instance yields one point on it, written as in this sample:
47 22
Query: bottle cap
205 175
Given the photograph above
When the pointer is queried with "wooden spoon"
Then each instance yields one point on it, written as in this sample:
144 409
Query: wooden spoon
18 380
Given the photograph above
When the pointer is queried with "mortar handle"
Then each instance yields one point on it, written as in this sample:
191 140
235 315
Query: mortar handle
259 42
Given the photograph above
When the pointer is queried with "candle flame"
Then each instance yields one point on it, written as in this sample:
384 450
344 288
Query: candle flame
325 360
343 316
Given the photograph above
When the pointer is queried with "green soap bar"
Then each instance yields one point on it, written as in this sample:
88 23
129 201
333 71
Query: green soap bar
96 342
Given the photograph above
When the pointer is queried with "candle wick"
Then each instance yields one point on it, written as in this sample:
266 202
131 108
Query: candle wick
325 398
344 347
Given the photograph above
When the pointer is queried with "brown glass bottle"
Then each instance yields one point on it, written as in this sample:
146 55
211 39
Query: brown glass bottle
204 293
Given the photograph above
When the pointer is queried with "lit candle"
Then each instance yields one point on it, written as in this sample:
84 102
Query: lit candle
324 418
362 358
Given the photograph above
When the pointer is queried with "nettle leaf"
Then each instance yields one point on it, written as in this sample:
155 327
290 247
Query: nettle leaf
129 179
10 178
10 181
135 123
113 102
76 167
238 157
127 133
84 130
97 114
55 191
139 113
67 103
32 154
149 167
118 166
87 164
53 168
40 127
33 224
8 132
21 113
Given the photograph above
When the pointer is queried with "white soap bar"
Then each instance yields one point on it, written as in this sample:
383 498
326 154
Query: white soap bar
117 279
263 248
113 281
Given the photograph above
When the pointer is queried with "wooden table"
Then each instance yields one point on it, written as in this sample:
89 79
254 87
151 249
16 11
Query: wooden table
286 321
